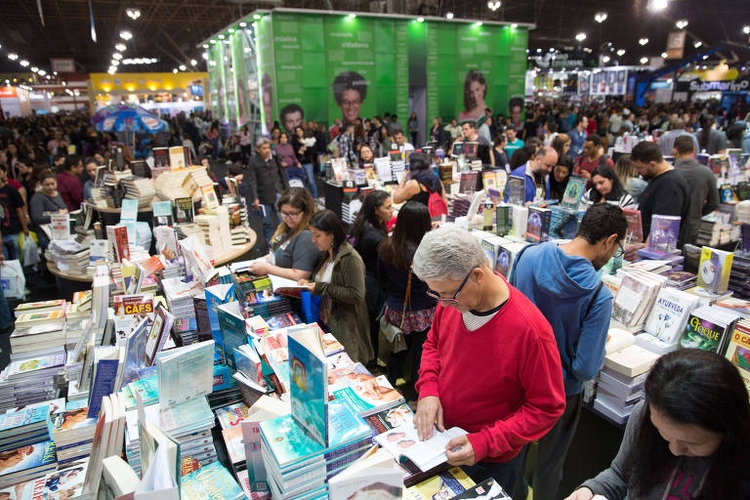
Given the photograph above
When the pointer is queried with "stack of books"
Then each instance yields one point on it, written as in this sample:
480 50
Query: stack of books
141 190
738 349
635 298
73 434
739 278
179 297
709 328
31 378
667 320
41 336
297 465
34 460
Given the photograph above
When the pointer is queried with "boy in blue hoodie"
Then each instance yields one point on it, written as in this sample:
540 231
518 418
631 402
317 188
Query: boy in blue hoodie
562 281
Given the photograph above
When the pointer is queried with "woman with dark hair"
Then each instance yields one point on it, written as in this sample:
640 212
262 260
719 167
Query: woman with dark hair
475 91
419 182
498 152
396 254
525 153
607 188
710 140
368 231
293 252
339 279
558 181
212 134
44 203
689 438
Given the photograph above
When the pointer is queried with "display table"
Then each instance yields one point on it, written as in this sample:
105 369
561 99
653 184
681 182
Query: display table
69 283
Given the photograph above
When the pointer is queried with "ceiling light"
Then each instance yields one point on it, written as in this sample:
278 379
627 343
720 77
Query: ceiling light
133 13
204 55
231 30
600 17
704 57
193 62
513 26
605 59
243 24
117 56
746 30
657 5
213 42
12 56
34 69
644 60
42 72
182 67
449 15
175 71
121 47
114 62
621 52
257 16
126 35
420 19
697 44
493 6
681 24
351 15
205 45
24 63
643 41
581 37
664 55
221 37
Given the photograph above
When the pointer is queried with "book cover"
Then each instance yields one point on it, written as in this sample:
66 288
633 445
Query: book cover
634 232
265 408
233 331
373 475
563 223
537 226
210 482
488 489
184 210
161 157
177 157
163 215
106 371
714 269
446 484
308 389
159 332
135 351
60 226
120 242
25 420
631 361
390 418
708 329
174 386
369 394
215 296
403 441
27 462
130 309
232 415
670 314
573 192
468 182
502 220
738 350
665 230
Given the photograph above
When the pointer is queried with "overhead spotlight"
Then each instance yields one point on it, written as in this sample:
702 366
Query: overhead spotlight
24 63
478 23
420 19
581 37
513 26
243 24
231 30
621 52
746 30
449 15
117 56
34 69
193 62
600 17
538 51
681 24
213 42
133 13
664 55
697 44
221 37
643 41
204 55
205 45
351 15
493 6
605 59
114 62
643 60
12 56
42 72
121 47
111 71
182 67
257 16
126 35
657 5
175 71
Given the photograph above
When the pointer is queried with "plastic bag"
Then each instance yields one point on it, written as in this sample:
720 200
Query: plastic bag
30 252
12 279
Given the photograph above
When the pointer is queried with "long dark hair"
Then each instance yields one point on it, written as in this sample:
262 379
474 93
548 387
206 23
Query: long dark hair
412 223
328 222
700 388
557 189
368 214
707 122
617 190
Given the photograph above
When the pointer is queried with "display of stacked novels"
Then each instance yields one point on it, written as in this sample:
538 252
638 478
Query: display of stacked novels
73 433
33 338
709 328
459 205
256 296
739 278
297 465
48 486
714 231
738 349
681 280
215 229
210 481
635 298
179 297
239 235
353 384
31 378
35 460
139 189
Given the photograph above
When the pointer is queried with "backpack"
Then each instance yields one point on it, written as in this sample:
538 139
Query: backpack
436 204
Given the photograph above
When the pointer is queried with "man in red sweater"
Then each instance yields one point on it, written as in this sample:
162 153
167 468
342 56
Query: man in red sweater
490 364
68 184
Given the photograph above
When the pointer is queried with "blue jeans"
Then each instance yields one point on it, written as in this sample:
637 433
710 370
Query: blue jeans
312 183
11 250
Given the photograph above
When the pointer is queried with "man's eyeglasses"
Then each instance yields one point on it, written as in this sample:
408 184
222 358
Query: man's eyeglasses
290 215
454 299
350 103
620 251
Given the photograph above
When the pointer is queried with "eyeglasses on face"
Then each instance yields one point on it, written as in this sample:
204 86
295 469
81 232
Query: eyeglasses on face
620 251
454 299
290 215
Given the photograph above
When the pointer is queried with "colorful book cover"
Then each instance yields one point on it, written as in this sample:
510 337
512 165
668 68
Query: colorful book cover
390 418
120 242
210 482
37 456
447 484
670 313
15 422
308 381
665 230
104 383
563 223
714 269
184 210
573 192
516 188
135 352
738 350
130 309
232 415
215 296
488 489
233 331
163 215
634 232
369 395
537 226
196 360
703 332
468 182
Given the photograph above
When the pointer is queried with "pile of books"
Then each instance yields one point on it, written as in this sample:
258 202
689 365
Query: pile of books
26 433
73 433
635 298
31 377
215 229
141 190
179 297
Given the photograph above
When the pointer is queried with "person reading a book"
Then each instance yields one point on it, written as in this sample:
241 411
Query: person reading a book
293 252
569 293
607 189
688 438
484 330
339 279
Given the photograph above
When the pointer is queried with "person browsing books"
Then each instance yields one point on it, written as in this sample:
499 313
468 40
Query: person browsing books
569 293
689 437
490 364
265 181
293 252
607 189
536 174
419 182
339 279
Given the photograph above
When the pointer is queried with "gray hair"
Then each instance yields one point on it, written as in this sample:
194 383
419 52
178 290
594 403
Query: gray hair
261 141
448 252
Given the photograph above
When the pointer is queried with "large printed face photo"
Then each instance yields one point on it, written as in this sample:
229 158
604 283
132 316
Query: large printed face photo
350 90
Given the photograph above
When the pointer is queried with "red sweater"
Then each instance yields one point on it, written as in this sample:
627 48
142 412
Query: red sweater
70 189
502 383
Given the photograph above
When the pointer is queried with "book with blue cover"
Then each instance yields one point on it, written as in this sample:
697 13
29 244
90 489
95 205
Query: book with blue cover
175 386
308 388
290 445
215 296
210 482
24 427
573 192
233 331
32 461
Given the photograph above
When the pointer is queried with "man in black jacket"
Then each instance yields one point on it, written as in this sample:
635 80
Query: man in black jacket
265 182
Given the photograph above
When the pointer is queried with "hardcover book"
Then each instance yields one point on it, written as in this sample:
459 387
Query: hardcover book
634 232
665 231
537 226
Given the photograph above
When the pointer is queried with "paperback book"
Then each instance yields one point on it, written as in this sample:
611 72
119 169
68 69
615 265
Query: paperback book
403 442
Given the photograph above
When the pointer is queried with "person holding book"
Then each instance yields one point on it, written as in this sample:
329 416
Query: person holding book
688 438
607 189
484 329
569 293
667 192
293 252
339 279
406 303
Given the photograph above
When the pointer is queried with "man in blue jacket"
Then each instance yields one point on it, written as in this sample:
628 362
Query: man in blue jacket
535 173
562 281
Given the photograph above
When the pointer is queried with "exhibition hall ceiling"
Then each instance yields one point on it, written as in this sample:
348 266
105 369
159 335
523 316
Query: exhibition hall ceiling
169 31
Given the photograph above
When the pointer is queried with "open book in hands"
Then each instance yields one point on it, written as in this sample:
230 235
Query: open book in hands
285 286
403 442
